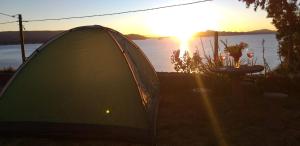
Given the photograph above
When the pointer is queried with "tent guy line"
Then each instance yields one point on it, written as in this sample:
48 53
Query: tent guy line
110 14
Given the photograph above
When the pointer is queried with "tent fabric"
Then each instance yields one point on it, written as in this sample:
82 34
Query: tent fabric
90 76
146 77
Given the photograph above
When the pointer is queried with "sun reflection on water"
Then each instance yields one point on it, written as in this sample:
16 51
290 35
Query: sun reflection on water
184 40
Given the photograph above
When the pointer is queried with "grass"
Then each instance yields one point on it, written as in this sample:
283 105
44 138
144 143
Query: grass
207 117
184 117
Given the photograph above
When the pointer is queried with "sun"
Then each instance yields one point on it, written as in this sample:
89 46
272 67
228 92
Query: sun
184 22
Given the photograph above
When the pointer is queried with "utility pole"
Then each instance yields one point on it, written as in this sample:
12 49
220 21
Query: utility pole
216 47
21 38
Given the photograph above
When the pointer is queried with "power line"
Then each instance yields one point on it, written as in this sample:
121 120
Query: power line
117 13
13 16
106 14
8 22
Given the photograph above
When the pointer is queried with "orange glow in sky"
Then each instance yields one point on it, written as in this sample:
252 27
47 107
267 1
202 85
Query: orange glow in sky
182 22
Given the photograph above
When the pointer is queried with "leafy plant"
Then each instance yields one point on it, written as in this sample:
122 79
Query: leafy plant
236 50
7 70
183 64
285 16
192 64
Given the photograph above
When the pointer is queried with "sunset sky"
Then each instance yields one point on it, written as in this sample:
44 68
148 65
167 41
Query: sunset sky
221 15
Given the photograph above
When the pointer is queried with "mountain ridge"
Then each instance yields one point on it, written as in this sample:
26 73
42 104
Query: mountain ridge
34 37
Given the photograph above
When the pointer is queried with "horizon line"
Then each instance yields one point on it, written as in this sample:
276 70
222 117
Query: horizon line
154 35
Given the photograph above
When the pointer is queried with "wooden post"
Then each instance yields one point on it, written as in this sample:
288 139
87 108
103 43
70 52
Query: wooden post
263 47
21 38
216 47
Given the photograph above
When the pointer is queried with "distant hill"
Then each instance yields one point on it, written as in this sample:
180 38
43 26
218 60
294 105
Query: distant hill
228 33
30 37
261 31
135 37
35 37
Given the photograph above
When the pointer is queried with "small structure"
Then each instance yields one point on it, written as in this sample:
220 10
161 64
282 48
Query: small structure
236 74
89 81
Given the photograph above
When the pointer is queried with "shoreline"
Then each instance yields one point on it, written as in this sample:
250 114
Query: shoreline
39 37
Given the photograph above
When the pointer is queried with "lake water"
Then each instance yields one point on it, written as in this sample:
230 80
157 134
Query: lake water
159 51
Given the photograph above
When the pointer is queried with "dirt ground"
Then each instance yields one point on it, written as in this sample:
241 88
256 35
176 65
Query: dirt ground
190 114
206 118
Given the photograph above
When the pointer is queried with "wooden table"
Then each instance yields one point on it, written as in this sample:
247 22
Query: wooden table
244 69
235 75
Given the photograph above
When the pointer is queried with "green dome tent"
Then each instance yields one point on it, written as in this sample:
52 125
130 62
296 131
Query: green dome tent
90 81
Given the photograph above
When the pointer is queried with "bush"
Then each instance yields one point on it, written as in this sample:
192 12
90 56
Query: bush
192 64
7 70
